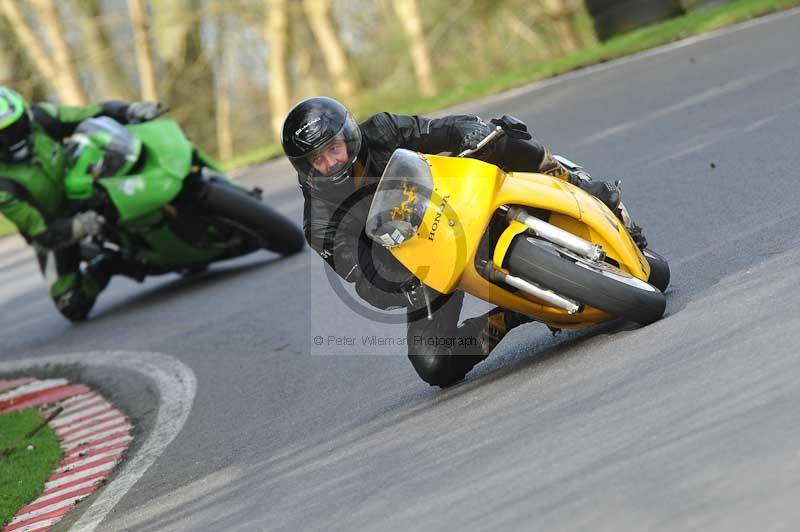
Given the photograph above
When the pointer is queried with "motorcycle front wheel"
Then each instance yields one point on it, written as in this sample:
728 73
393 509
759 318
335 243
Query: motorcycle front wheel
659 270
599 285
230 201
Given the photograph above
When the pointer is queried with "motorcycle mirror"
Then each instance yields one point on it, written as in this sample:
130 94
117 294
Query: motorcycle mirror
513 127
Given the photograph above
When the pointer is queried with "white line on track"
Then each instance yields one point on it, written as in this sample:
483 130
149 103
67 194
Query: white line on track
41 511
73 402
121 439
95 429
36 386
50 484
87 414
41 525
176 385
69 446
72 489
88 460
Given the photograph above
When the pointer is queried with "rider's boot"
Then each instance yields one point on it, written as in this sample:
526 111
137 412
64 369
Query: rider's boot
498 322
109 263
607 192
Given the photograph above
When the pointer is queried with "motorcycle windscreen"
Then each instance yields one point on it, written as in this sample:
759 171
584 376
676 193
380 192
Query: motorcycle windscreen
121 149
401 199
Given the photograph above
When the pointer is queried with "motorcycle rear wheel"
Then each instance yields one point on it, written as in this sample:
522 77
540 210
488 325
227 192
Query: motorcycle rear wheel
604 286
230 201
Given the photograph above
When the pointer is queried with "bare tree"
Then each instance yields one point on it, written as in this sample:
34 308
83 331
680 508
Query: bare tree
64 83
222 87
188 83
173 20
16 68
111 79
409 15
66 71
144 54
6 66
276 35
559 12
331 46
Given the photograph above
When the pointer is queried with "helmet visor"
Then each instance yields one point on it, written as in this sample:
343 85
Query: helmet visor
332 161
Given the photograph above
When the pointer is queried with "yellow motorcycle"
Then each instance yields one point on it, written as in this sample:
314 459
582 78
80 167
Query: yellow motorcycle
523 241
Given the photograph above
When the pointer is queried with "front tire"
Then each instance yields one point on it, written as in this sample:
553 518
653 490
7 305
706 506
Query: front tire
659 270
603 287
227 200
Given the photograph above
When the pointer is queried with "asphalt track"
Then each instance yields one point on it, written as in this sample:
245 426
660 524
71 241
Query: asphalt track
688 424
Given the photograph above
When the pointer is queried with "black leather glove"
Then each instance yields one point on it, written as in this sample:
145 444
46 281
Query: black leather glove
473 133
85 224
143 111
513 127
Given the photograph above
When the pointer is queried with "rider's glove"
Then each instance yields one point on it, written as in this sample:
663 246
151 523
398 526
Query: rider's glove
87 223
472 132
143 111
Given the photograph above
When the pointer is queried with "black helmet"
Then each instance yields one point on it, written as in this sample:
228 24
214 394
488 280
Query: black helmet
322 141
15 127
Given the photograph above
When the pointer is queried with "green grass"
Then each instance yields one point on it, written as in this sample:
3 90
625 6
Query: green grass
23 472
694 23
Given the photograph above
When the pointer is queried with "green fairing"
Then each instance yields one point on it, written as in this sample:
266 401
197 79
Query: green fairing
140 194
165 248
168 159
170 251
167 146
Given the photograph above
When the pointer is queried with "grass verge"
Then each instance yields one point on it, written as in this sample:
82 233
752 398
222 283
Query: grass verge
25 463
693 23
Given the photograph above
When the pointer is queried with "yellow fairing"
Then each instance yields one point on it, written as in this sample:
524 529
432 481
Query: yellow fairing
459 211
466 194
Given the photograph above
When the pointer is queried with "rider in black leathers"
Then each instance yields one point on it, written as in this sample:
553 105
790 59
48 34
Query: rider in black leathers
339 163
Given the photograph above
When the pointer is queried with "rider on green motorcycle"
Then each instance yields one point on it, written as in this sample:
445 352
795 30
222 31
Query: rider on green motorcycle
32 164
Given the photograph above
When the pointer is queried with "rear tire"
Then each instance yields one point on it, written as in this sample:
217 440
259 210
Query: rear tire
608 289
230 201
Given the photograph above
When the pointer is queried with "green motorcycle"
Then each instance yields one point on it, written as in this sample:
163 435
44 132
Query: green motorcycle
166 204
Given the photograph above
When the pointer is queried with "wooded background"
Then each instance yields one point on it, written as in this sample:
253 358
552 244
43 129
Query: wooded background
230 69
